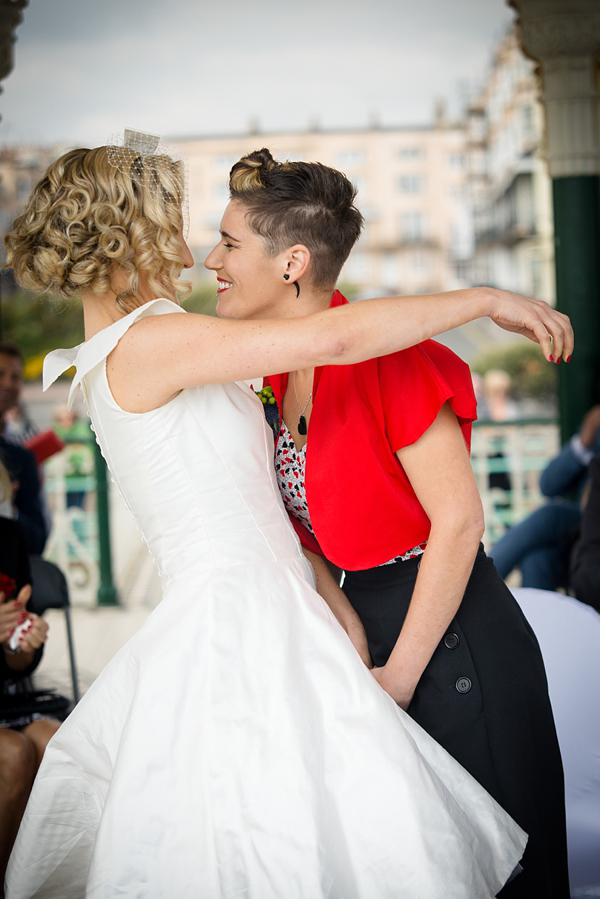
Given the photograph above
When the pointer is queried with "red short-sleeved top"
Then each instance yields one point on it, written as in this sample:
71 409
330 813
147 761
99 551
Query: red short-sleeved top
362 507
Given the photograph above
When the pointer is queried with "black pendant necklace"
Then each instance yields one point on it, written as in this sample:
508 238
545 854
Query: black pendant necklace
302 428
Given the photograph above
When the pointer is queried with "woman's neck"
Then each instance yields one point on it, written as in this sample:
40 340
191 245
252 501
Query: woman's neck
309 302
99 311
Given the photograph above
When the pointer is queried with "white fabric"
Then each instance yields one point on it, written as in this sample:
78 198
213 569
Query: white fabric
569 635
237 746
584 454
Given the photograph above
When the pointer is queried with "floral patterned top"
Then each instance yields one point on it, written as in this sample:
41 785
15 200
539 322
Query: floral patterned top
290 469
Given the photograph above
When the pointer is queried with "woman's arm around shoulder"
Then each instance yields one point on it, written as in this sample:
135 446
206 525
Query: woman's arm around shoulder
160 355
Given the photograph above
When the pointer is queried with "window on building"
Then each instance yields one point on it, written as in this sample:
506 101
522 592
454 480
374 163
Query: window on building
23 187
413 226
389 272
220 191
356 268
420 261
410 184
225 161
346 158
213 222
457 160
410 152
528 125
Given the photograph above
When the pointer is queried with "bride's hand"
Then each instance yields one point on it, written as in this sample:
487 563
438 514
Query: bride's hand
534 319
400 695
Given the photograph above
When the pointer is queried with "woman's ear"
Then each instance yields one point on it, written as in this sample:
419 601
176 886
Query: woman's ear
296 262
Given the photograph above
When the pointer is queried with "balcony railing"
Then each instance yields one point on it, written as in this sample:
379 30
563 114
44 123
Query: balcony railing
76 490
507 458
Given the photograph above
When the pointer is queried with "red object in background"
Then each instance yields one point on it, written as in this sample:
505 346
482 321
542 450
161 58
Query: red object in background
7 586
44 445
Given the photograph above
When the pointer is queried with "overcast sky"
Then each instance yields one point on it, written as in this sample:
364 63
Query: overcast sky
87 68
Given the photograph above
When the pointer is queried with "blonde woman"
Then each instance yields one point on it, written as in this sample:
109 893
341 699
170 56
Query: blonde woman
236 745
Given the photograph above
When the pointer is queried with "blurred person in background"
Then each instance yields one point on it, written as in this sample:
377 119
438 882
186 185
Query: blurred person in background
584 577
26 500
540 545
24 732
498 404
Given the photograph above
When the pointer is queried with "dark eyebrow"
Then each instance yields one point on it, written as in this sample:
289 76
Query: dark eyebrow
228 236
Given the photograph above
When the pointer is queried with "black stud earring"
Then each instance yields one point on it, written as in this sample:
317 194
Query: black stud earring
297 286
286 277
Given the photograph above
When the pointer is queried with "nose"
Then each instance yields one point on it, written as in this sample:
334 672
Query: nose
188 259
213 261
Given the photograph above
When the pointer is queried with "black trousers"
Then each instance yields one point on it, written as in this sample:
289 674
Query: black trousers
484 698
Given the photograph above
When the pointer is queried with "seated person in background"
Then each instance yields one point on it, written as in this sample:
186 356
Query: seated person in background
585 558
541 544
20 462
23 736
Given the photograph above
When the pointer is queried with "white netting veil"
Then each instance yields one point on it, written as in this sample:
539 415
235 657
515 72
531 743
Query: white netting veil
154 164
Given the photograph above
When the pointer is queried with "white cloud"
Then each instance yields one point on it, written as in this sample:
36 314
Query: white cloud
84 70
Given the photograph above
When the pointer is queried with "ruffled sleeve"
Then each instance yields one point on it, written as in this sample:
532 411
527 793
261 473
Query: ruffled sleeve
415 384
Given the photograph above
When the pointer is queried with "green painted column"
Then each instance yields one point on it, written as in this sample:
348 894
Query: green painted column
107 593
563 37
576 201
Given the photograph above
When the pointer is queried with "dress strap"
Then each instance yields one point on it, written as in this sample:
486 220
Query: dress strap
92 352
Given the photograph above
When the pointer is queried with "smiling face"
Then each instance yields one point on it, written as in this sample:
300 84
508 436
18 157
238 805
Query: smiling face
250 281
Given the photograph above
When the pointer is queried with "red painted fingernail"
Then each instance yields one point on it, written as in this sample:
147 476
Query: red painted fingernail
558 361
569 358
551 357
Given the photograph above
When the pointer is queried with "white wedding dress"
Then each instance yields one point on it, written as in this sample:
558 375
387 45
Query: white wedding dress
237 746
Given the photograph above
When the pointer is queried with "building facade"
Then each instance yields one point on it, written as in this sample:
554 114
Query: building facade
411 190
509 184
445 206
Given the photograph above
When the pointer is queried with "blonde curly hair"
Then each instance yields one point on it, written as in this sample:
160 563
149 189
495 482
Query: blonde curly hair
86 217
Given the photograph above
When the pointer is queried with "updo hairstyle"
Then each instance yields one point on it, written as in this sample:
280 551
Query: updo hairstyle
305 203
87 216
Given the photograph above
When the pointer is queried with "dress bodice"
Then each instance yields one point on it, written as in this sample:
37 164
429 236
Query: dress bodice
196 473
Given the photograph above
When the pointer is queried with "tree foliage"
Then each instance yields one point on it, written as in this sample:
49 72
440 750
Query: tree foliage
38 324
530 374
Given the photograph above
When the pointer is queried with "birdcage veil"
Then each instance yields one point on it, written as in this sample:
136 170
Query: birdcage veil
145 157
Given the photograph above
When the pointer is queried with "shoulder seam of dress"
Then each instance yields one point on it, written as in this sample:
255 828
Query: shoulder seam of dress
90 353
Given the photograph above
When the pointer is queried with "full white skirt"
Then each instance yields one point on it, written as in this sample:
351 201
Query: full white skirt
237 747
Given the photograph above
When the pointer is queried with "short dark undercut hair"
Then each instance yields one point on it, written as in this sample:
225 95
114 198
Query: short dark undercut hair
304 203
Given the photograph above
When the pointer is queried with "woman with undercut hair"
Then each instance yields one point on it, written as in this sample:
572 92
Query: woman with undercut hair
372 461
236 745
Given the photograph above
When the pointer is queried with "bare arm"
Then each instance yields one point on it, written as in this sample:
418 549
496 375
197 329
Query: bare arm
161 355
338 602
439 471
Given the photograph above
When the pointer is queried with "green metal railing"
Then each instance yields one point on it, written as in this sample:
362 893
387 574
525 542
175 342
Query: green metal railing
77 488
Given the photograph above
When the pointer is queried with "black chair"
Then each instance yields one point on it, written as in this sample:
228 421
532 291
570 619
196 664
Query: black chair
50 591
